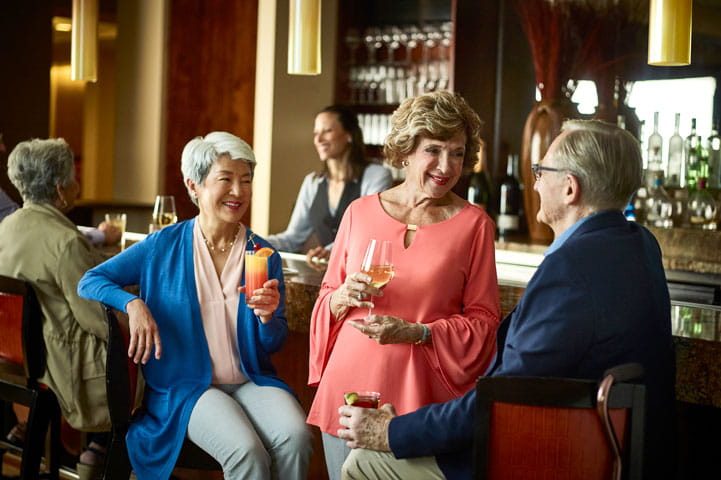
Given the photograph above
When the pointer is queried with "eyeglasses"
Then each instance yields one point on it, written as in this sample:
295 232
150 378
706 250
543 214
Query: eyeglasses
538 170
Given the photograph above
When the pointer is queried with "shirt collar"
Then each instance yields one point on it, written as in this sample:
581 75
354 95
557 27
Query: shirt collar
558 242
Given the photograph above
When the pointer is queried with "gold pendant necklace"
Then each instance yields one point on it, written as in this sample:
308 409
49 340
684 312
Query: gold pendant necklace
222 249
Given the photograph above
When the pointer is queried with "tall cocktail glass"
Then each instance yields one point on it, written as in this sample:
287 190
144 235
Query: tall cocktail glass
256 273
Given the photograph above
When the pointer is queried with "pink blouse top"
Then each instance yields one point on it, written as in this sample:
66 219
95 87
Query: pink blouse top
446 279
219 299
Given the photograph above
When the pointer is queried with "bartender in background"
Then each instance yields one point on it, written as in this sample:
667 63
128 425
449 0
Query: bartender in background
346 174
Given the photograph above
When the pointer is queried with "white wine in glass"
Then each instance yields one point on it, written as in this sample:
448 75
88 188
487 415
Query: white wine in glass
164 212
378 263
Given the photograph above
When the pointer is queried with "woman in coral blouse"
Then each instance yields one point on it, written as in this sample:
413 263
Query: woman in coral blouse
432 332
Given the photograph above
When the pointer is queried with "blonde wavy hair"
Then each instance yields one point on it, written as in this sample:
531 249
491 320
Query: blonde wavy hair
437 115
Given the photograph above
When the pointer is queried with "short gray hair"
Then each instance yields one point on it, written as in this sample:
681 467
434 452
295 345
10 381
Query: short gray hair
605 159
36 166
201 152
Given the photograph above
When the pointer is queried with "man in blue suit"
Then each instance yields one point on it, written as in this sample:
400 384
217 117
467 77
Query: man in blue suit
598 299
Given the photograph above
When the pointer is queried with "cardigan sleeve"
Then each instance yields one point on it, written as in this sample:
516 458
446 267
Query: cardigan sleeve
105 282
300 226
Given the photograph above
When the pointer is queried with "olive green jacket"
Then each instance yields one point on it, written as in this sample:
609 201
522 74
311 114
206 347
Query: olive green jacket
38 243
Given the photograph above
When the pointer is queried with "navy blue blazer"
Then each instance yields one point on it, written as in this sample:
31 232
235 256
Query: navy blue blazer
598 301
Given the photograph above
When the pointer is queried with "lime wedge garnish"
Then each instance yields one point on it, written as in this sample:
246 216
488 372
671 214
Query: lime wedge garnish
350 398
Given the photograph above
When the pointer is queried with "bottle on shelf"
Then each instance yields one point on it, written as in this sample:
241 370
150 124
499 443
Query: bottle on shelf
659 206
713 149
509 200
479 187
676 170
702 207
655 154
694 154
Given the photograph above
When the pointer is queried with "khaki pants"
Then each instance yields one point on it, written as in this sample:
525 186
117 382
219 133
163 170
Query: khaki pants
364 464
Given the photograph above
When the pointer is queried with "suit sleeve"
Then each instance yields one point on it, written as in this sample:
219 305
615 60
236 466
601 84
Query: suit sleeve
434 429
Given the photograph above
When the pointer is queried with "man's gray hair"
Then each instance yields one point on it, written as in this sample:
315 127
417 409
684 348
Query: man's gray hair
604 158
201 152
37 166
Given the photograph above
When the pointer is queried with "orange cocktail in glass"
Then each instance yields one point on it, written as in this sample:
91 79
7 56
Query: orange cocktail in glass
256 273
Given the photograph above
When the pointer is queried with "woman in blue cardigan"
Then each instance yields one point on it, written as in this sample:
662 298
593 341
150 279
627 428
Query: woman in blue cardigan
211 378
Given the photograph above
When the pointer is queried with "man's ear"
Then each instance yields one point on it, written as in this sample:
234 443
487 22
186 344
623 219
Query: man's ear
572 190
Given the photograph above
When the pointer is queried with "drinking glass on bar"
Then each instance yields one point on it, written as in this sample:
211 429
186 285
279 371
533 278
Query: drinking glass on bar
119 221
256 273
164 212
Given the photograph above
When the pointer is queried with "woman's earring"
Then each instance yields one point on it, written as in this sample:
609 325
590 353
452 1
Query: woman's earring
406 163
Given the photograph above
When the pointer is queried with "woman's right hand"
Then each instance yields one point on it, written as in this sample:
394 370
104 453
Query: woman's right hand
143 332
353 293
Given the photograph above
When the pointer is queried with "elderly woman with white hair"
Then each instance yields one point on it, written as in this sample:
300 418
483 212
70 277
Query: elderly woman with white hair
212 379
41 245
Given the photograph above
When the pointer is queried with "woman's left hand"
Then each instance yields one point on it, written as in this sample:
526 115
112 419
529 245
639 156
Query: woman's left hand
386 329
264 301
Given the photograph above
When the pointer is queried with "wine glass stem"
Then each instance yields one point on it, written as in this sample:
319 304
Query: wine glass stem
370 309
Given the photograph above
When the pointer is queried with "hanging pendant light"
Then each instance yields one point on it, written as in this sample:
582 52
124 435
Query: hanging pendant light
84 44
669 33
304 37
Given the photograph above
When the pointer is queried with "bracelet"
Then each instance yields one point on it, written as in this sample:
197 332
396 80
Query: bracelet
426 334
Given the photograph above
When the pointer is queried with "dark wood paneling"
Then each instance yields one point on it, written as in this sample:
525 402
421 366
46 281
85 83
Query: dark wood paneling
211 80
25 55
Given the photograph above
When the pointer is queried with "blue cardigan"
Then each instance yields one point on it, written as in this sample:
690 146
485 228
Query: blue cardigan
162 265
598 301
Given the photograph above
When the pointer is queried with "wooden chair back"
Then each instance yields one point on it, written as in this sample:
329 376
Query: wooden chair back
22 363
549 428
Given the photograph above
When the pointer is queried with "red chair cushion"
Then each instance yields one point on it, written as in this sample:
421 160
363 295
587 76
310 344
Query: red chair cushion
11 323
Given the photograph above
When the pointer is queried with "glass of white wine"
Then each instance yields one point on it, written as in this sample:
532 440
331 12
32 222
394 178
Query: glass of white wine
378 263
164 212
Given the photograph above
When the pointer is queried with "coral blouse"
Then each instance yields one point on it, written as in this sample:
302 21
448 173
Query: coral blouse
446 279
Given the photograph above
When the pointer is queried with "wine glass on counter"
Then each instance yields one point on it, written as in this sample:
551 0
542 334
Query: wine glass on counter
378 264
164 213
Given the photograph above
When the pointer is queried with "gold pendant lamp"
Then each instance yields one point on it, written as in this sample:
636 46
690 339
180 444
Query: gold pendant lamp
669 33
304 37
84 44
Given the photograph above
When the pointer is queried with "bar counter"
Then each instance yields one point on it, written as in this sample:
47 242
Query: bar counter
696 328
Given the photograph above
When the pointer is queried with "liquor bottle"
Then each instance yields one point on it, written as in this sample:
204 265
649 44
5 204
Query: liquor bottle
509 200
655 153
659 206
702 207
692 154
713 150
676 171
479 187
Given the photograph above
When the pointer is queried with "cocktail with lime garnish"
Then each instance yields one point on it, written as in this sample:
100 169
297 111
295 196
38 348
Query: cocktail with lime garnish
362 399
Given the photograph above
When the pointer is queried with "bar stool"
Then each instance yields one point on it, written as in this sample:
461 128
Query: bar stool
22 363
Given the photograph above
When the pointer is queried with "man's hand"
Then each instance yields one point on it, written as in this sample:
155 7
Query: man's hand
366 427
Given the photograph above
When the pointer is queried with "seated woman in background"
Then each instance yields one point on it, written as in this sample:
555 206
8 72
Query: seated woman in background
214 381
346 174
39 244
432 331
